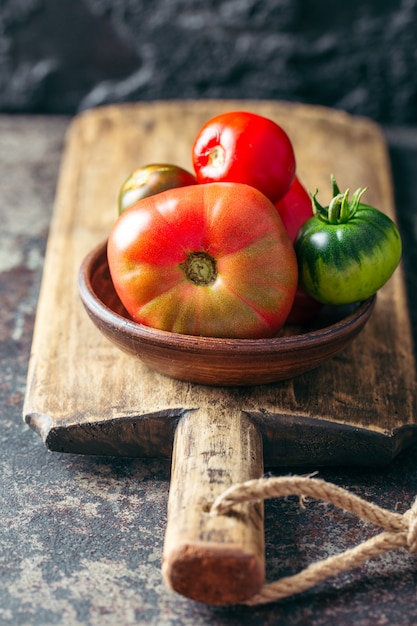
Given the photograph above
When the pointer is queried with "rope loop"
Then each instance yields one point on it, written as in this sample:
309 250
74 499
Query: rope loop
399 531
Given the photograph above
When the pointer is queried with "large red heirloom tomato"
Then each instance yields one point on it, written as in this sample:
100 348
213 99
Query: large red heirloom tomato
212 260
244 147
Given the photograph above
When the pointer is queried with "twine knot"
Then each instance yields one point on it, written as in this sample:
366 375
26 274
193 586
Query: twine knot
400 530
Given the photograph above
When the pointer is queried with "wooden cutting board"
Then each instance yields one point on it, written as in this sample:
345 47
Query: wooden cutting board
85 396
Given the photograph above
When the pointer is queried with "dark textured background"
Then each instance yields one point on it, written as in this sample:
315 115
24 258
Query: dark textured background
60 56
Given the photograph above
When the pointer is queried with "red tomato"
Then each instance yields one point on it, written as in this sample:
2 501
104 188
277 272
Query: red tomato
212 260
304 309
295 208
246 148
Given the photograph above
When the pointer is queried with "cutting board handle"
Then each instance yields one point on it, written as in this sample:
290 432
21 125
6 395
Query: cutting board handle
215 559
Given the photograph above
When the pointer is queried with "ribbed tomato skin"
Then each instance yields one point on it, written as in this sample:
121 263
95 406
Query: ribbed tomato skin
236 226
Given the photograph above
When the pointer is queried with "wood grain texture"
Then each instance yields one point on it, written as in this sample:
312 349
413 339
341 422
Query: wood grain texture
84 395
213 450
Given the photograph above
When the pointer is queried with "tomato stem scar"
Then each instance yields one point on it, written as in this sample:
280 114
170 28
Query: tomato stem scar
217 156
200 268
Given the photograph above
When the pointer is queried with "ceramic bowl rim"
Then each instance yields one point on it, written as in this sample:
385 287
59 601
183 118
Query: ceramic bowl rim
125 326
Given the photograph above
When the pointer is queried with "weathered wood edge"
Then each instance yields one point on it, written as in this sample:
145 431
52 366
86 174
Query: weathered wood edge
285 436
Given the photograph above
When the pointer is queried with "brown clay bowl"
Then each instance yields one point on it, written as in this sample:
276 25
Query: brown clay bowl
209 360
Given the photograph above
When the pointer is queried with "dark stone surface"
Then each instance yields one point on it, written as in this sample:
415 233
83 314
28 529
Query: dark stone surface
81 537
60 57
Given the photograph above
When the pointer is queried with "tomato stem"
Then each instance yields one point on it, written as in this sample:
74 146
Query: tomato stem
356 198
340 209
217 157
335 186
200 268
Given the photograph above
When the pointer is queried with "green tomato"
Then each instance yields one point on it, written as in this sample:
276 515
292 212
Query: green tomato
346 251
152 179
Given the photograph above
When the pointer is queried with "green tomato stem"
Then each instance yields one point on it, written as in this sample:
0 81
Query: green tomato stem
335 186
356 199
340 209
318 209
200 268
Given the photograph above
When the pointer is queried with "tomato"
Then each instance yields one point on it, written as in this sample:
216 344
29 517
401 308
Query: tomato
245 148
304 309
196 261
151 179
295 208
346 251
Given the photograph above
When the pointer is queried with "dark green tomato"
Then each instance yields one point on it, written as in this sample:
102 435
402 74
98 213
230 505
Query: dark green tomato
152 179
346 257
